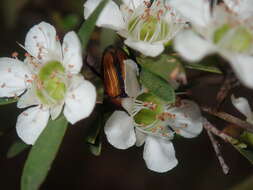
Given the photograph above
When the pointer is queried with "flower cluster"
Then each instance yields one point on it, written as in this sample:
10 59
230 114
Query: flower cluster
48 80
225 29
147 26
149 119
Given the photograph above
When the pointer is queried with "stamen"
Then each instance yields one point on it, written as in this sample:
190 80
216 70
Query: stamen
14 55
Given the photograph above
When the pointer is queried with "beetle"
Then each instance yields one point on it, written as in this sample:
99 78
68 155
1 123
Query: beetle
114 73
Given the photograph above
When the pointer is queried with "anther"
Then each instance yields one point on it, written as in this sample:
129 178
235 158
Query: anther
14 55
25 114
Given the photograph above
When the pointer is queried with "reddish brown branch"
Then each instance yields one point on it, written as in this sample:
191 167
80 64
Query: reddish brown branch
229 118
216 148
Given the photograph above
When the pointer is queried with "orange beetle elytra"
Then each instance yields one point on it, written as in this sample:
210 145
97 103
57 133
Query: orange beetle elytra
113 70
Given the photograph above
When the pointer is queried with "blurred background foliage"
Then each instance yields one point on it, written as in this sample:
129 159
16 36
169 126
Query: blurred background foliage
75 167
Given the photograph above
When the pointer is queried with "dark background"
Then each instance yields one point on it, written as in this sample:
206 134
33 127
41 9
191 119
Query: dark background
75 167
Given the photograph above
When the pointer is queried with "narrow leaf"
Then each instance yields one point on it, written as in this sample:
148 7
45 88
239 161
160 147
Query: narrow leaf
5 101
88 26
94 130
16 148
164 65
42 154
95 149
245 185
157 85
246 152
195 66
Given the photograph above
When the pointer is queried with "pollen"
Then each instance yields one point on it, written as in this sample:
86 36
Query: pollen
14 54
25 114
177 130
184 126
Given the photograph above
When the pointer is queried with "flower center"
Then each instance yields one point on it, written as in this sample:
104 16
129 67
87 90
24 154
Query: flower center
149 115
150 25
234 39
51 87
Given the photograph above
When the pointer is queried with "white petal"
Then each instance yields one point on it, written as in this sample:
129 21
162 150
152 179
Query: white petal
242 105
159 154
188 119
41 42
111 16
72 53
31 123
132 86
133 4
29 98
196 11
13 76
140 137
56 111
242 7
80 99
119 130
243 67
127 104
148 49
191 46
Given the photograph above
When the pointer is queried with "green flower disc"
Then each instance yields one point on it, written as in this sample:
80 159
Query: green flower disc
148 115
148 28
53 88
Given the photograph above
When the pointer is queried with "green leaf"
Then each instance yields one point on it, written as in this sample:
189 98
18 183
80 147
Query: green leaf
88 26
246 152
5 101
207 68
247 137
95 149
244 185
16 148
93 133
107 38
93 138
66 22
157 85
42 154
162 65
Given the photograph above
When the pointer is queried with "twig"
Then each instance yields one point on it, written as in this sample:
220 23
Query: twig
229 118
210 127
215 144
229 83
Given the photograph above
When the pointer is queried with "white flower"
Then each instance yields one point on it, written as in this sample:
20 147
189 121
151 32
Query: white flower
153 122
147 28
48 79
242 105
244 8
225 31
